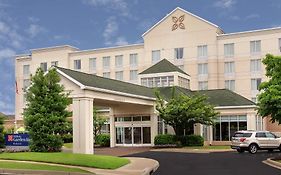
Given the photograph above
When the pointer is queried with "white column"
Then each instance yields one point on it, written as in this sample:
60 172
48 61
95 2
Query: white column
112 129
251 121
154 127
83 141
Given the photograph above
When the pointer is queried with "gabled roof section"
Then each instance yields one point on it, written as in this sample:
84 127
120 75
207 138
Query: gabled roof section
216 97
178 8
162 66
92 81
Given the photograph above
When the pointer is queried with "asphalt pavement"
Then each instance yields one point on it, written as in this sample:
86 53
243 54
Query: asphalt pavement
222 163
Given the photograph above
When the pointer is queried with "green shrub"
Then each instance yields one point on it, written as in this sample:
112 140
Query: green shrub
103 140
165 139
192 140
67 138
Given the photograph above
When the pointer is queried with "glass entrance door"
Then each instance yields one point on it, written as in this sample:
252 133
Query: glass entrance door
128 135
137 135
133 136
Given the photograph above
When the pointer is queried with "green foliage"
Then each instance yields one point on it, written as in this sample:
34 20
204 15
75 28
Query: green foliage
67 138
269 99
103 140
2 139
192 140
165 139
182 112
98 122
45 115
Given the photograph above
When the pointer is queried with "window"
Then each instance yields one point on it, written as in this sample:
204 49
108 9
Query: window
178 53
133 75
155 56
162 127
279 45
119 61
106 62
260 134
202 51
26 84
134 60
230 85
106 74
255 65
54 63
202 85
229 67
119 75
92 64
77 64
203 69
229 50
226 126
255 83
255 47
158 81
26 70
44 66
183 82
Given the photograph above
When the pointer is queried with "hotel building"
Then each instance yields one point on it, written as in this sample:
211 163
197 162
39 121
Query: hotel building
180 50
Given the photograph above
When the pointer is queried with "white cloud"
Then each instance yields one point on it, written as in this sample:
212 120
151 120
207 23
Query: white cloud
225 4
119 5
7 53
34 30
33 19
121 41
110 30
252 16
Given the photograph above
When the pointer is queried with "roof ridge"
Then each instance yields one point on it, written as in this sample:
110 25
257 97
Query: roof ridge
168 65
103 77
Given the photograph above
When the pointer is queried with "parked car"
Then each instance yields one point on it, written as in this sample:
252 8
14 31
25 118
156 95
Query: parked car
253 141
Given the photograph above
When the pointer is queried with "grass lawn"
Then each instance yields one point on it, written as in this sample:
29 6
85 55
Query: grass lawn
33 166
94 161
208 147
68 145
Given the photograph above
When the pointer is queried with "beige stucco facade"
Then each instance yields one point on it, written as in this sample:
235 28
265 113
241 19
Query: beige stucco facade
202 42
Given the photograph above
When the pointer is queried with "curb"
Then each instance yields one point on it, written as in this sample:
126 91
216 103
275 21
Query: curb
41 172
138 166
272 163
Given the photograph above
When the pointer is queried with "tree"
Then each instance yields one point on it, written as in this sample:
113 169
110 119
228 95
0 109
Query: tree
98 122
2 140
269 99
182 112
45 115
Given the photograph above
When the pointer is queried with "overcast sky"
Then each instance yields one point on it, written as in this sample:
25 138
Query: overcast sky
86 24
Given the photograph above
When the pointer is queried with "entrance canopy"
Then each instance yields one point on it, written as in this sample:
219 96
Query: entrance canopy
133 119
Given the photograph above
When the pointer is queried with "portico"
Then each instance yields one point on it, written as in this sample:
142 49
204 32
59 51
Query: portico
132 114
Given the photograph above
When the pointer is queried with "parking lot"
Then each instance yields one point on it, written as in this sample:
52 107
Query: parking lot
222 163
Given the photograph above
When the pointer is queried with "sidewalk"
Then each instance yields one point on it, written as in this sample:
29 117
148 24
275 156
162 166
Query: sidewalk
138 166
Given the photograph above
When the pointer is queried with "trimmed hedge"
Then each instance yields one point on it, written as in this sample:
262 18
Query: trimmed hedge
67 138
103 140
165 139
168 140
192 140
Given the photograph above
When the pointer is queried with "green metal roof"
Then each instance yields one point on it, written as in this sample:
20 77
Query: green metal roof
107 83
216 97
162 66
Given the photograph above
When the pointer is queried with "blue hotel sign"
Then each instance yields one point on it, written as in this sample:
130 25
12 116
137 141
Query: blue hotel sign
17 141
